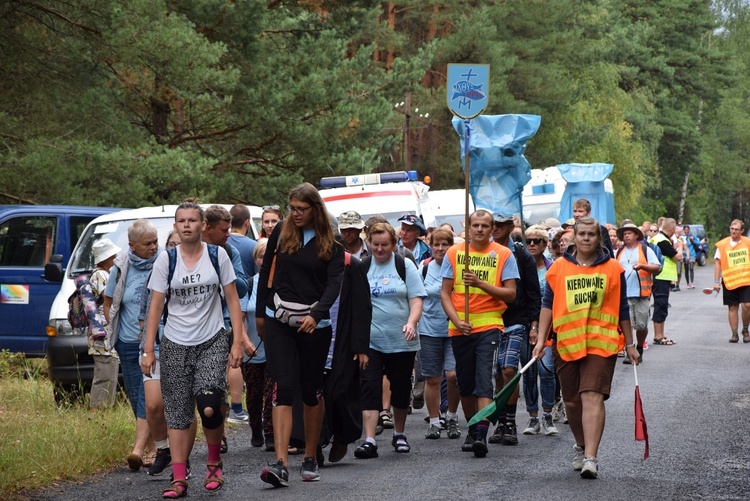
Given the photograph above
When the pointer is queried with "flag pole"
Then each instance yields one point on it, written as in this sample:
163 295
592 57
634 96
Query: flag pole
635 373
467 136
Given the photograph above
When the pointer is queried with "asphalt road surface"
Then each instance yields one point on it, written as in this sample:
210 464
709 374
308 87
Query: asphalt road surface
695 395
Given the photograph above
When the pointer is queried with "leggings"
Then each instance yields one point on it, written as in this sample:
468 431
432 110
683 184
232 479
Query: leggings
689 267
259 396
288 350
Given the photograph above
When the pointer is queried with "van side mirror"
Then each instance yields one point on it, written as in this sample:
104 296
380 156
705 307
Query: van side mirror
53 271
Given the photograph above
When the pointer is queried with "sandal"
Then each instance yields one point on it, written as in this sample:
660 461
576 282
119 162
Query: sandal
214 477
148 460
178 489
134 461
293 451
387 419
664 341
400 444
224 445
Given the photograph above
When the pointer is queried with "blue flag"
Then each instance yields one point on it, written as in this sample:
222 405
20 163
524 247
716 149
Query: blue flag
498 168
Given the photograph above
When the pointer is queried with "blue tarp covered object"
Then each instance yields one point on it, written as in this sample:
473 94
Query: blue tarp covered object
498 170
587 181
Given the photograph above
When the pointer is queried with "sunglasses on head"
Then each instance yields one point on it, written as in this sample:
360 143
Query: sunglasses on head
270 207
535 241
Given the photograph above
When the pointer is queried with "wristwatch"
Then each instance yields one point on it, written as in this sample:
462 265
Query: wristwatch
534 328
630 345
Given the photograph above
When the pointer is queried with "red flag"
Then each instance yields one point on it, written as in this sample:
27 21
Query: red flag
641 431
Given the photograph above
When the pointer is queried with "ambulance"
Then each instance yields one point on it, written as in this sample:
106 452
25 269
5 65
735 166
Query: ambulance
390 194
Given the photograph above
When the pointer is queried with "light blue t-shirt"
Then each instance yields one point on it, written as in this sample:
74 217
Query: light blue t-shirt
390 305
130 307
434 321
247 304
627 258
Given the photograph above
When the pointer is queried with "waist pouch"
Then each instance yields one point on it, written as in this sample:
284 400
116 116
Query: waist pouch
291 313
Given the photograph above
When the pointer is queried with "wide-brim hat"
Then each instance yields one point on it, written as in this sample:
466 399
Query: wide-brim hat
104 249
631 227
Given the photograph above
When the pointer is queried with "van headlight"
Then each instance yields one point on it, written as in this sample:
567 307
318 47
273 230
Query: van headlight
61 327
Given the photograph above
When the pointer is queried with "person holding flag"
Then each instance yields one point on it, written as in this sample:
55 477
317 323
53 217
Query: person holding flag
490 283
732 266
587 297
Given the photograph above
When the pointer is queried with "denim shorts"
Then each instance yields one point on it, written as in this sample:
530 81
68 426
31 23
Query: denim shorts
436 356
509 349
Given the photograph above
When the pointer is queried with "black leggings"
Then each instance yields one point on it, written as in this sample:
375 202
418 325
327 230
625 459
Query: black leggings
689 271
296 358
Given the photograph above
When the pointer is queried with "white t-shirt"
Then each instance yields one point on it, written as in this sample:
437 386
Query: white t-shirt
195 314
732 244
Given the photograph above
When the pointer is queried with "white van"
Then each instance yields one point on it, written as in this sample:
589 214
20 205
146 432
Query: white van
449 207
390 194
70 366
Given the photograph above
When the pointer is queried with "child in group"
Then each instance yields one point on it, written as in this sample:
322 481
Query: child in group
106 361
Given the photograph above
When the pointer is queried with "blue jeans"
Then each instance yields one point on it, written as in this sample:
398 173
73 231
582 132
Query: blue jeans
133 377
545 368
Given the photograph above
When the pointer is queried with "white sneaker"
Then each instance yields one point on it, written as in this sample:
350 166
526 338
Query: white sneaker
533 428
238 417
548 425
577 458
590 468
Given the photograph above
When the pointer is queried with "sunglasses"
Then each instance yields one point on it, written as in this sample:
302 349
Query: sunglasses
270 207
535 241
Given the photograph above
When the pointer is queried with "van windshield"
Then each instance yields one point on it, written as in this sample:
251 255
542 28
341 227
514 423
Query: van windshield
117 231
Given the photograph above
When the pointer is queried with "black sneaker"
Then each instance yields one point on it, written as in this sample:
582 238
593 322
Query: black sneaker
309 470
509 434
479 447
257 437
468 445
161 461
276 474
366 451
497 437
270 447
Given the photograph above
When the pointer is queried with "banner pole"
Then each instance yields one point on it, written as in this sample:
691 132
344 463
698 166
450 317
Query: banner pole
467 133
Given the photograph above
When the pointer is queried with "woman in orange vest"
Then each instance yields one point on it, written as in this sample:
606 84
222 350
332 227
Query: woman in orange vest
584 301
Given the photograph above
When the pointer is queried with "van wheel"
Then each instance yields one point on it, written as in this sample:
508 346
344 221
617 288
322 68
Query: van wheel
69 394
702 259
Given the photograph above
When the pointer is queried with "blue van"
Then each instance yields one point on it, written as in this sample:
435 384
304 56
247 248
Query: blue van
31 236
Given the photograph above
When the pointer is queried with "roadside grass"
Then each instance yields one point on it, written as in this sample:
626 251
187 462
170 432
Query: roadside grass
42 442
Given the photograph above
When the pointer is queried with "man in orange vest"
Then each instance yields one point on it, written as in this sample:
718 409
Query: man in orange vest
732 266
640 264
490 284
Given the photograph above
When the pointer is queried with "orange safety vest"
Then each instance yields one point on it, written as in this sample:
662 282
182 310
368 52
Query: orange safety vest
645 278
735 262
485 311
585 308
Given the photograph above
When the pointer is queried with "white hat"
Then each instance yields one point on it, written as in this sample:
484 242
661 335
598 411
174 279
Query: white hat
104 249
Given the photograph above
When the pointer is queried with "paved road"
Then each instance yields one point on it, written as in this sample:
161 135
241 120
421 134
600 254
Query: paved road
696 399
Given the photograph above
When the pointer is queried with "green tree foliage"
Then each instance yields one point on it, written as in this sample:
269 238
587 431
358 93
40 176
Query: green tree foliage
148 101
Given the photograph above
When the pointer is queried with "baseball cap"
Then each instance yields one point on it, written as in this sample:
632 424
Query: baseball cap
570 222
412 220
502 218
350 219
